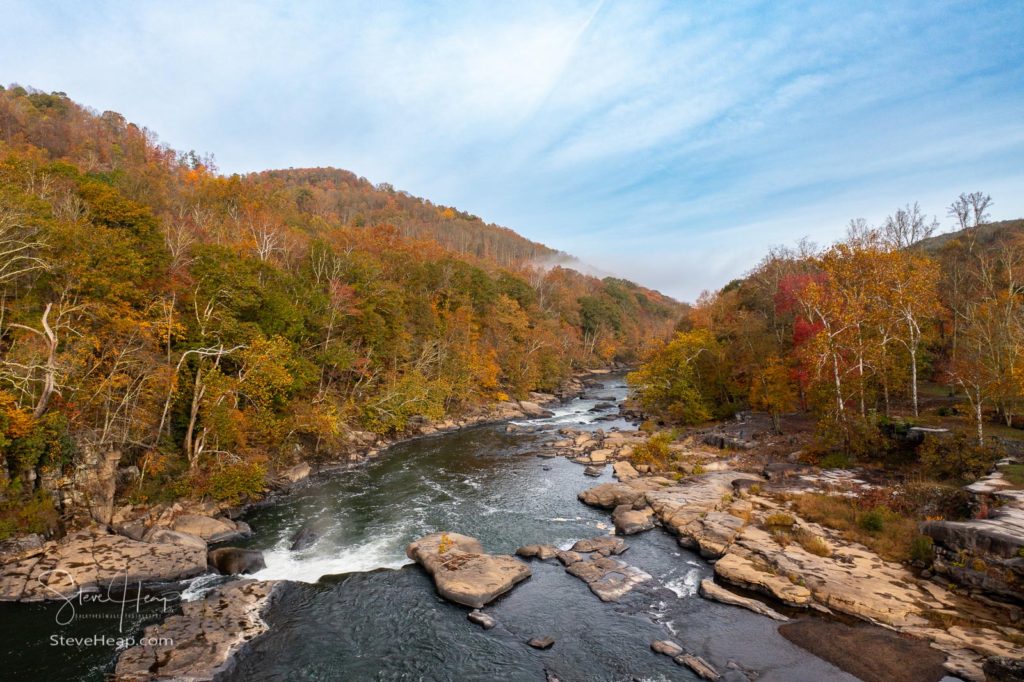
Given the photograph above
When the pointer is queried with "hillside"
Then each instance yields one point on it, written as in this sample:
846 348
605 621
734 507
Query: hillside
210 330
985 235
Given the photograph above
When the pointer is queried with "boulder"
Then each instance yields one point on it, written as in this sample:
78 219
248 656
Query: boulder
611 495
235 560
601 456
593 471
569 557
542 552
604 545
533 410
200 643
297 473
210 529
463 572
624 471
629 521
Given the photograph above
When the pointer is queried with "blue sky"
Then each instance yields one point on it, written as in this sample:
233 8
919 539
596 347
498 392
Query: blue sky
671 143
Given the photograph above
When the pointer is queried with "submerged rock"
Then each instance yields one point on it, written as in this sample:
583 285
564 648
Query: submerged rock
200 643
482 619
542 642
235 561
593 471
698 665
667 647
307 535
463 572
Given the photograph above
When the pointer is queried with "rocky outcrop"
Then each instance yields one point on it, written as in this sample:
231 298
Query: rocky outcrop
709 590
89 561
204 639
463 572
85 495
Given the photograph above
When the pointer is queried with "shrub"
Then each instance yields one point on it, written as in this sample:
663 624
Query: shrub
922 548
873 520
779 519
654 451
956 457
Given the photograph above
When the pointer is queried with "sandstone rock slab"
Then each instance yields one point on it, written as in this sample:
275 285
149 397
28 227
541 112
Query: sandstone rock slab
463 572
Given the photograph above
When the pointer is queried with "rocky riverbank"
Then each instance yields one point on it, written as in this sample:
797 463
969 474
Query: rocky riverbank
716 514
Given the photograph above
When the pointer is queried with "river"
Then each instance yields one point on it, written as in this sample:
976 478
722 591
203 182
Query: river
355 608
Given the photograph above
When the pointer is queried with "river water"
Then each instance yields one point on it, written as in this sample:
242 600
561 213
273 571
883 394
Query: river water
356 608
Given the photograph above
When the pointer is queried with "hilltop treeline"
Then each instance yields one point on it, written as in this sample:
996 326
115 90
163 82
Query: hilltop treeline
211 328
853 331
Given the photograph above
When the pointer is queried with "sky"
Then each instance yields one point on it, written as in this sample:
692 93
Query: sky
671 143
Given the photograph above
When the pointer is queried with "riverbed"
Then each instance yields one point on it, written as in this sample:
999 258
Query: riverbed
355 608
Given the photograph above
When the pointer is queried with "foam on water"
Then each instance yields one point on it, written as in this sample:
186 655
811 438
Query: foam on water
309 566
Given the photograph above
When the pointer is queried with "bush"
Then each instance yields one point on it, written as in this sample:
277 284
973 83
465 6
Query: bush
872 521
922 548
957 457
654 451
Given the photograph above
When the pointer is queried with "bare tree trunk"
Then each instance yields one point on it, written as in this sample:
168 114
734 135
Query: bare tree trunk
49 378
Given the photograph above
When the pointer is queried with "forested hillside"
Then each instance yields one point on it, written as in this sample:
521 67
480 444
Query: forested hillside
864 335
212 328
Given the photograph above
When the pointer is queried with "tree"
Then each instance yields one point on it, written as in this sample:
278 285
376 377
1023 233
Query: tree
907 226
772 391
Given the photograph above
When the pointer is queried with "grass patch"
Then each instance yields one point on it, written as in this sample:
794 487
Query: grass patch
812 543
880 529
1013 473
779 520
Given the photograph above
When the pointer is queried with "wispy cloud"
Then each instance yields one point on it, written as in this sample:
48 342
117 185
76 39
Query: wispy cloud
668 142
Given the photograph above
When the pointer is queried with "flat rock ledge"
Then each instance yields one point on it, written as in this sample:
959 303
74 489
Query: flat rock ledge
709 590
704 512
463 572
204 639
88 561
